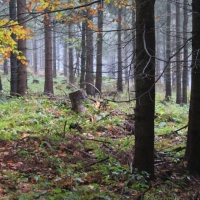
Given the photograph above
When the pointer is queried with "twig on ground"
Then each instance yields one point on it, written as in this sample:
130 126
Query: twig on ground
99 161
176 131
98 140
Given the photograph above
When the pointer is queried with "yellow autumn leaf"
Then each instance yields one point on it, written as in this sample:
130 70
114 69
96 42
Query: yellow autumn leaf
39 8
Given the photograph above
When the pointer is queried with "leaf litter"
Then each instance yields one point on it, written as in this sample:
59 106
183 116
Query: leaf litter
46 159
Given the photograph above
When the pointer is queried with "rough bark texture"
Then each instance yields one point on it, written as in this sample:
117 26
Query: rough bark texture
119 52
99 50
21 68
193 140
145 88
77 99
83 53
13 57
168 81
185 66
178 56
48 84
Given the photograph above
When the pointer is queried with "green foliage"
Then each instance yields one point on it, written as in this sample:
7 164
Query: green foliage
93 162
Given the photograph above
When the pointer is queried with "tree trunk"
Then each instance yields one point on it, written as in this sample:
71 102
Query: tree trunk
99 49
185 66
13 57
71 59
5 67
133 45
22 68
35 60
193 140
178 55
1 87
65 58
89 77
48 84
83 54
168 81
119 52
54 52
145 87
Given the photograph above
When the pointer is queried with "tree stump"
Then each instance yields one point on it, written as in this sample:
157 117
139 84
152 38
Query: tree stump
77 99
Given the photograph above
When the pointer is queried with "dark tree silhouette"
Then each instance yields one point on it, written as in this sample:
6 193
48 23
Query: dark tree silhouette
145 86
192 155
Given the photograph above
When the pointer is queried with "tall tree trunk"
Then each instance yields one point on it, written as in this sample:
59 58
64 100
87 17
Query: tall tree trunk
193 140
168 81
125 54
71 55
185 66
65 58
54 51
77 62
83 54
133 44
119 52
22 68
5 67
13 57
35 56
178 56
99 49
48 84
89 77
145 86
1 87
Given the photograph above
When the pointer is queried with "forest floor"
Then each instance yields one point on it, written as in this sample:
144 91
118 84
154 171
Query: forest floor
49 152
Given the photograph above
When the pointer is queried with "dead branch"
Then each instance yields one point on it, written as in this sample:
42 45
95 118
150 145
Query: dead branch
99 161
86 83
98 141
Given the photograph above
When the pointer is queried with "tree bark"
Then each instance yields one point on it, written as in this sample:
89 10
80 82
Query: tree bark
13 57
185 66
54 51
1 87
168 81
48 84
119 52
178 55
77 99
99 49
192 155
22 68
35 56
71 55
89 77
65 58
5 67
145 86
83 54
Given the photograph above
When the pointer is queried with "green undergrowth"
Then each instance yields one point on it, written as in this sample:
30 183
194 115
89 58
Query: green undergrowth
50 152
